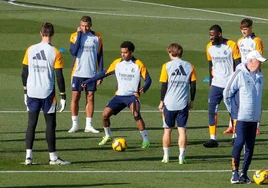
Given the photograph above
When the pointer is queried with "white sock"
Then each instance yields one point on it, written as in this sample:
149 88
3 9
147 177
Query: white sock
230 123
182 151
75 121
234 135
213 137
107 131
29 153
166 152
53 156
258 125
88 122
144 136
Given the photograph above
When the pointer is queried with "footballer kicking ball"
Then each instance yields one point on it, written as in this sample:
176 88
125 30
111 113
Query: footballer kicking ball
260 177
119 144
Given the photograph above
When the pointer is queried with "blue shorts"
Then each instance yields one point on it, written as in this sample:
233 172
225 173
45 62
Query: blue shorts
214 100
180 116
77 81
48 105
118 103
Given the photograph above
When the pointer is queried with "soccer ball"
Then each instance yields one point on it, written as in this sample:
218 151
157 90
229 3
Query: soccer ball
260 177
119 144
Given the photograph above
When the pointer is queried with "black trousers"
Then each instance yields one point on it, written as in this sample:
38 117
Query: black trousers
50 130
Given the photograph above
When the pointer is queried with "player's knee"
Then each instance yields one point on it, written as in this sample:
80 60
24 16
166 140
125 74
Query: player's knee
90 96
137 116
105 115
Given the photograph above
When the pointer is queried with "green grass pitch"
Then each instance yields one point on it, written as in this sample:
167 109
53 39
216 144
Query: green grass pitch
151 25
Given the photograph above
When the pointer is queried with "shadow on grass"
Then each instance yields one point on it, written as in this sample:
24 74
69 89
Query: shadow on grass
58 138
72 185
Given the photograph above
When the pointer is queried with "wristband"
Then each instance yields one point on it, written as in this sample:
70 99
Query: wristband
63 96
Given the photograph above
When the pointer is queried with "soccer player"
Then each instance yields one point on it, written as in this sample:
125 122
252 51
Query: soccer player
176 77
223 56
40 64
248 42
128 71
248 83
86 49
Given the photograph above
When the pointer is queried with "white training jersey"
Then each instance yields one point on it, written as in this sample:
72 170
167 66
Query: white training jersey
247 44
222 57
177 74
128 75
85 65
42 59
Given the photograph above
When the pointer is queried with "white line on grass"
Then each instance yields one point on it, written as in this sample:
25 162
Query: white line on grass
196 9
124 111
118 171
13 2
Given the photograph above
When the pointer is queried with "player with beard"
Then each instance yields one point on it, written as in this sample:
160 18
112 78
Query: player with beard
223 56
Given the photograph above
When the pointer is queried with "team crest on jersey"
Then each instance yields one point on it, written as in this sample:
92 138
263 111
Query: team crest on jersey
132 70
252 45
225 52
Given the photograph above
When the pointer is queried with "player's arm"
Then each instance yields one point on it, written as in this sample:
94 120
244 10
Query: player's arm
24 75
98 76
103 74
259 44
61 85
163 91
236 62
236 55
100 56
147 82
146 77
192 90
75 43
164 80
230 90
210 72
192 83
60 80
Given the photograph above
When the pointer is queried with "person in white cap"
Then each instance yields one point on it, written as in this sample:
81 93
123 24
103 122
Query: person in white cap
243 99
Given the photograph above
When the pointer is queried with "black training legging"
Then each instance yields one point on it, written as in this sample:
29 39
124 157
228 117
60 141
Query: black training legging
50 130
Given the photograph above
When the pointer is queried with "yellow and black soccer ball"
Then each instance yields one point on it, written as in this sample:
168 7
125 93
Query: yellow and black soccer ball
260 177
119 144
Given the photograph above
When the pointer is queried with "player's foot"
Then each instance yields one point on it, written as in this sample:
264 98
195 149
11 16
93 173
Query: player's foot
73 129
229 130
145 144
165 160
182 161
59 161
105 139
211 144
91 129
235 178
258 131
244 179
28 161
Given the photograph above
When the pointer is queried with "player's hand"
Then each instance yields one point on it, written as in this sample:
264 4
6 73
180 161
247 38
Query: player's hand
83 85
99 82
78 29
161 106
62 102
190 105
25 99
141 90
